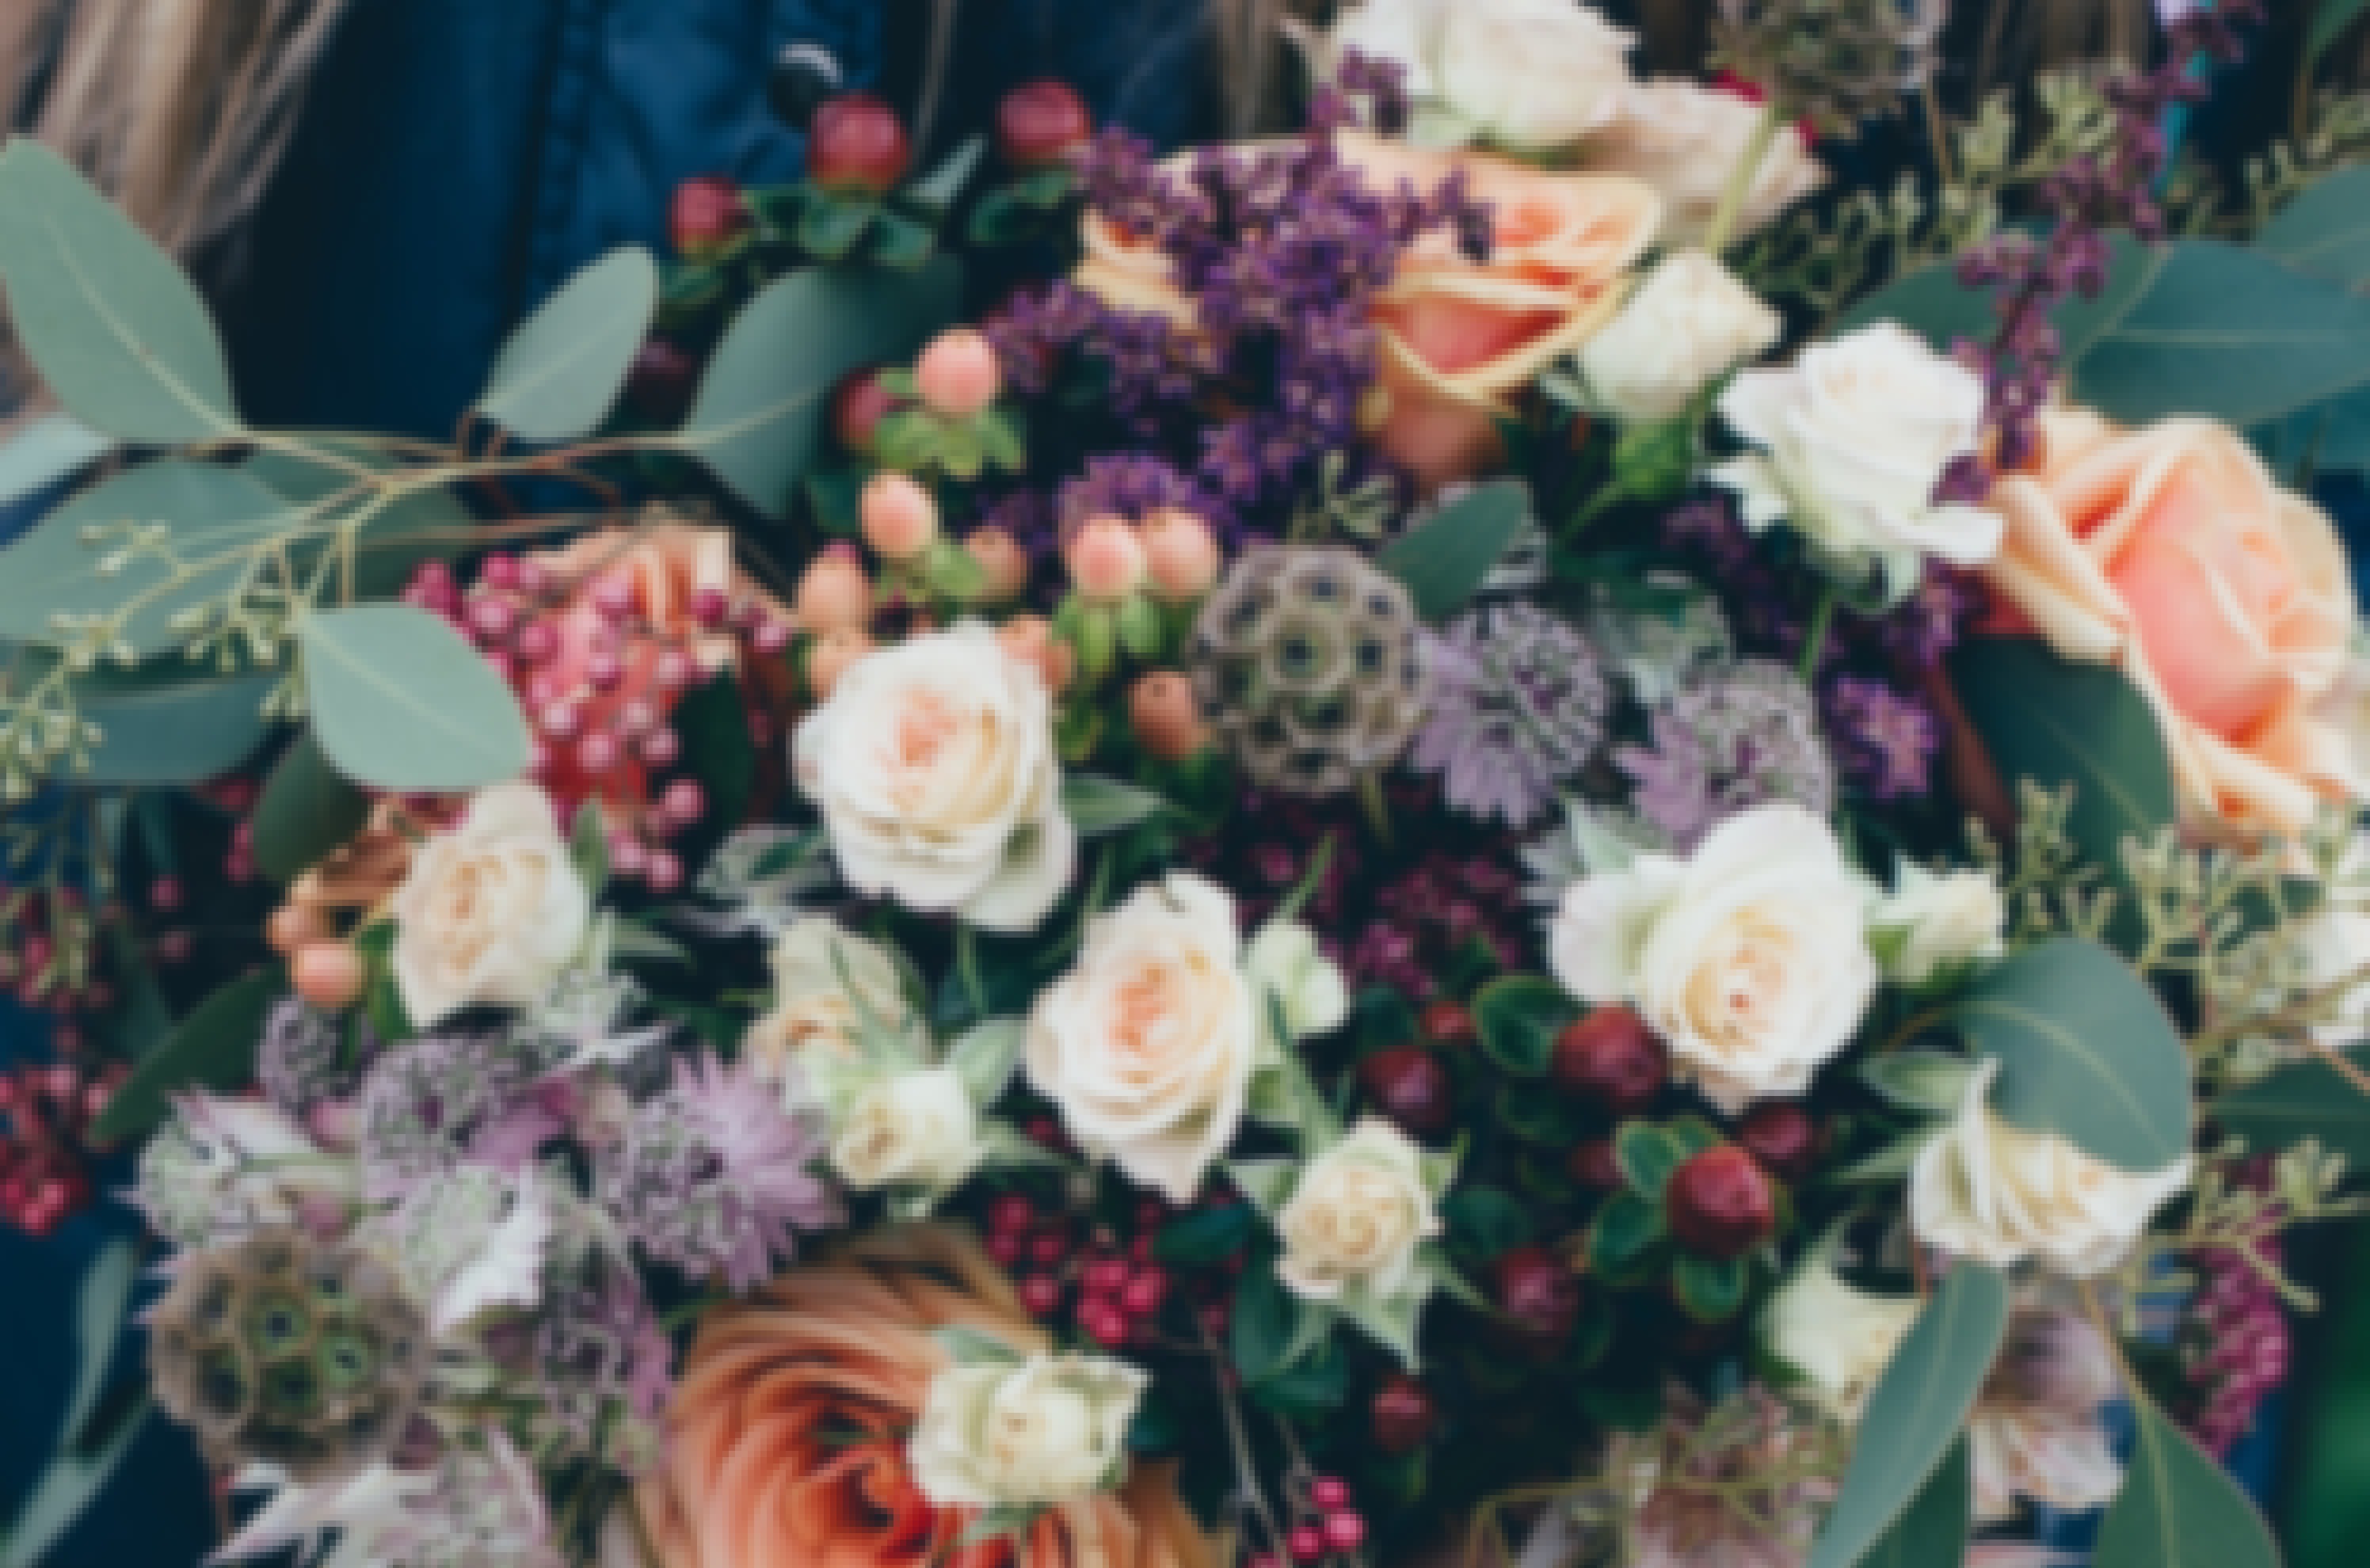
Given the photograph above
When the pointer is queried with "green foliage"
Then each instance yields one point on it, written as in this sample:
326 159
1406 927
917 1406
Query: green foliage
154 726
46 450
1097 807
1206 1235
563 369
308 809
87 1455
214 1048
717 749
2311 1100
2179 1509
1445 558
1519 1018
2330 21
401 701
2325 230
1933 1529
1484 1222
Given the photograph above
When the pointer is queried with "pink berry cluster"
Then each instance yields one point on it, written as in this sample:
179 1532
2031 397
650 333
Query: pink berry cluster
2237 1342
45 1116
1106 1281
1326 1524
52 963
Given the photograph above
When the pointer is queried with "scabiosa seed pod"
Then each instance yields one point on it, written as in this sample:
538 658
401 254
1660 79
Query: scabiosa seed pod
1518 706
1834 63
289 1351
1306 663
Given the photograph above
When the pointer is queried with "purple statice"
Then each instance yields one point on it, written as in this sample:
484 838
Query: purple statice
1028 516
307 1060
429 1105
601 1357
1886 740
716 1176
1927 624
1419 922
1133 485
1517 706
2237 1343
1743 737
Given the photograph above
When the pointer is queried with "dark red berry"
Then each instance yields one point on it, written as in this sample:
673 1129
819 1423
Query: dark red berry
1593 1164
1402 1414
1104 1322
707 213
856 144
1104 1276
858 405
1145 1290
1345 1532
1306 1543
1449 1023
1612 1059
1720 1204
1040 123
665 373
1781 1136
1538 1296
1409 1086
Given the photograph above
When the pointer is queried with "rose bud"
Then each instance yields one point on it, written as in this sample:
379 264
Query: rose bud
1721 1204
1445 1022
899 519
1538 1296
1402 1414
1593 1164
1106 560
858 404
1180 555
832 652
1166 718
1040 123
1409 1086
856 144
327 974
1782 1137
957 375
708 213
1611 1059
1002 561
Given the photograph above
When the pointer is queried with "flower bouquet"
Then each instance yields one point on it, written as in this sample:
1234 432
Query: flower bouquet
1492 833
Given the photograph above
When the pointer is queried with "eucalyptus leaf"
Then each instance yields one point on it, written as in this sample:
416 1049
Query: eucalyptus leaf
2308 1100
400 700
563 369
2331 18
169 729
1445 560
2326 230
117 330
46 450
1932 1531
393 534
2179 1509
82 1467
307 810
214 1048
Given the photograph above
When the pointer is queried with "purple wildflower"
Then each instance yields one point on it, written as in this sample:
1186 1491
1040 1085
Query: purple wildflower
1517 706
1886 740
602 1356
1744 736
307 1059
1133 485
427 1104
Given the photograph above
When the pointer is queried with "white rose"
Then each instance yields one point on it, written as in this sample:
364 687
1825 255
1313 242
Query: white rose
917 1130
1685 141
1997 1193
1284 957
1854 438
1750 959
1356 1217
1929 924
933 763
1147 1045
1686 325
1039 1432
1529 75
827 979
491 912
1838 1338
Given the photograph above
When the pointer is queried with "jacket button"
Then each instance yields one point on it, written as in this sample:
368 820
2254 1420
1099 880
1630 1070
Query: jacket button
804 78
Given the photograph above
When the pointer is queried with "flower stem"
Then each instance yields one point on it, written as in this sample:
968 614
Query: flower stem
1814 641
1378 809
1740 178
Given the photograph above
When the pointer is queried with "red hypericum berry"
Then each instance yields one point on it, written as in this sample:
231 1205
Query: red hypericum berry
1593 1164
1328 1494
707 213
1042 123
1409 1086
1041 1294
1783 1137
165 895
1105 1322
1612 1059
1104 1276
1306 1543
1145 1290
856 144
1721 1204
1012 1211
1345 1532
858 405
1538 1296
1402 1414
1449 1023
665 374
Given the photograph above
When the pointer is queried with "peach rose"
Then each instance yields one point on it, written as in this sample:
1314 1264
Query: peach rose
1460 340
2170 552
790 1420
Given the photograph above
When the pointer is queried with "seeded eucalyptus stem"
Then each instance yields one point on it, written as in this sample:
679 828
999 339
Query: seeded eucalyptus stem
1740 178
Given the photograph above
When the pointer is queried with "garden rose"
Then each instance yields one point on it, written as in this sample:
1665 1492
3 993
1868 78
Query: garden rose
826 978
1750 958
491 910
933 764
1853 439
2170 553
1356 1216
1997 1193
1048 1430
1686 325
790 1426
1147 1045
1838 1338
914 1129
1684 140
1931 922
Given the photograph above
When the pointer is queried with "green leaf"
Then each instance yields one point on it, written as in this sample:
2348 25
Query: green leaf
561 371
308 809
1647 1156
214 1048
46 450
830 225
1932 1531
2331 19
1309 1386
1709 1292
974 1347
395 536
1625 1230
934 193
84 1462
1097 805
759 415
717 749
2310 1100
1540 1118
1206 1235
1519 1018
400 700
2055 722
983 1058
2326 230
1447 557
1915 1412
117 330
2085 1051
2179 1509
56 570
158 727
1266 1326
1484 1222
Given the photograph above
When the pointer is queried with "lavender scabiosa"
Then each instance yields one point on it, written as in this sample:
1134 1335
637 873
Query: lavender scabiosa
1886 740
1517 706
716 1176
1743 737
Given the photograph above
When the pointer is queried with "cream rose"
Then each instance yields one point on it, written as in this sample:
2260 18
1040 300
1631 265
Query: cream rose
1840 1339
1750 958
933 764
1999 1194
917 1128
2171 553
1685 141
826 980
491 912
1148 1044
1041 1432
1931 922
1356 1217
1854 438
1686 325
1284 959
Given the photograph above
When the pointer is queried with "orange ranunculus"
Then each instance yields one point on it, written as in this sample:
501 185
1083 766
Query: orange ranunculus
2171 553
789 1425
1459 340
